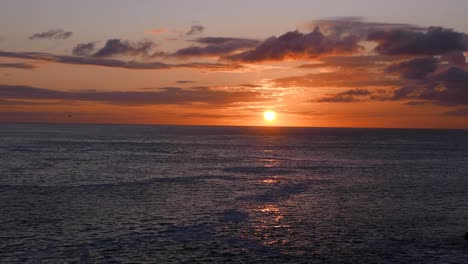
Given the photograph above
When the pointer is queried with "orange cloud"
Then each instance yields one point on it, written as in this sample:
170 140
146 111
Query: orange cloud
156 31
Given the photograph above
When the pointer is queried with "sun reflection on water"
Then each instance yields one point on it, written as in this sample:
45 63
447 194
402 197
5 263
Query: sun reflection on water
270 181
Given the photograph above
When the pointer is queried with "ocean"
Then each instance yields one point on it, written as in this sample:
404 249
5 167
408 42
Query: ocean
196 194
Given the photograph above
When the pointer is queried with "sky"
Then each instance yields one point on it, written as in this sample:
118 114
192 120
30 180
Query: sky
328 63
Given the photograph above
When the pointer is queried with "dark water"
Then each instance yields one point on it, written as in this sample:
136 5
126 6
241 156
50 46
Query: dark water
157 194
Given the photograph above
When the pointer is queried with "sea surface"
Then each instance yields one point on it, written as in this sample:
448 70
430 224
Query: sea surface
187 194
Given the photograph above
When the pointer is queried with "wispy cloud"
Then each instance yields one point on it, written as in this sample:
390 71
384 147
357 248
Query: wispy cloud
52 34
113 63
118 47
349 96
185 82
195 29
162 96
215 47
18 65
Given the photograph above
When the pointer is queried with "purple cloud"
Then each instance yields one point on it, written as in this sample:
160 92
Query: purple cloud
296 45
168 95
195 29
52 34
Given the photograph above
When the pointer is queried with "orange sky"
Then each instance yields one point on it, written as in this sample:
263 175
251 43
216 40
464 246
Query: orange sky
343 72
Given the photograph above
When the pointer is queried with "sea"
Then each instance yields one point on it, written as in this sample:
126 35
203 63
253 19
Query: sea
200 194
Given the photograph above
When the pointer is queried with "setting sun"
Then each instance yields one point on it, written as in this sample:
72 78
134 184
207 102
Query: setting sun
269 116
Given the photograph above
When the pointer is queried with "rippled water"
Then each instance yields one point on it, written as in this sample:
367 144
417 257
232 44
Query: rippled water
162 194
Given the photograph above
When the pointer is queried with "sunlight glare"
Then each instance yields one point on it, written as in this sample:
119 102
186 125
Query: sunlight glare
269 116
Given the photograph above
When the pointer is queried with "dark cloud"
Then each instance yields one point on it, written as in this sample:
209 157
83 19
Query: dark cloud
356 92
84 49
394 38
435 40
117 47
216 46
217 116
354 95
417 68
195 29
185 81
18 65
447 85
356 26
169 95
220 40
433 80
296 45
334 37
416 103
52 34
134 65
455 58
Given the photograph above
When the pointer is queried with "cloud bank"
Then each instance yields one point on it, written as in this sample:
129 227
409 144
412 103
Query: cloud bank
113 63
162 96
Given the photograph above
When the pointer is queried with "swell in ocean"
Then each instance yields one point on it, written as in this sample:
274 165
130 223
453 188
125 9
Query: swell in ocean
175 194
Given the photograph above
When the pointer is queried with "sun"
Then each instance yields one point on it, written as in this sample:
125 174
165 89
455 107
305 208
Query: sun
269 116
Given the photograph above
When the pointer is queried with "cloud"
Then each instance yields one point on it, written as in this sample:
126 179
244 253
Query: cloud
19 65
412 64
216 116
431 79
455 58
133 65
354 95
84 49
449 87
195 29
433 41
221 40
417 68
185 81
445 85
216 46
296 45
117 47
52 34
163 96
356 26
